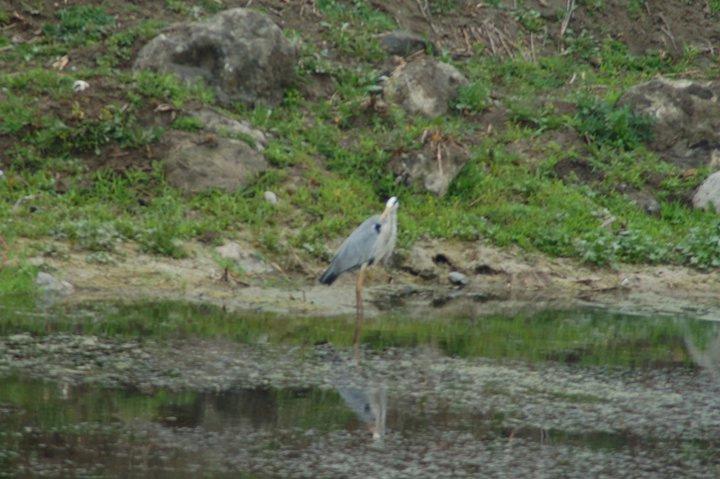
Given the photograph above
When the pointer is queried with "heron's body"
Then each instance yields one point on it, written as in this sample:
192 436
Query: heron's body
372 242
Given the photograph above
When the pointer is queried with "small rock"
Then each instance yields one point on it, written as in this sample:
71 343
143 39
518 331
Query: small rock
80 85
270 197
195 163
708 194
423 169
403 43
50 284
424 86
457 278
19 338
229 127
420 263
648 203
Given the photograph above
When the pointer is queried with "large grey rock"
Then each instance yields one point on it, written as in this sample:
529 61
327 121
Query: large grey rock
429 170
403 43
196 162
230 127
240 52
686 115
708 194
424 86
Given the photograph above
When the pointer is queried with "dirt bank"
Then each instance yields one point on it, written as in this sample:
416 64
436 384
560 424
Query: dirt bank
497 280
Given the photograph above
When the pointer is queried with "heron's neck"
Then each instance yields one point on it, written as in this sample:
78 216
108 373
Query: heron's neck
388 216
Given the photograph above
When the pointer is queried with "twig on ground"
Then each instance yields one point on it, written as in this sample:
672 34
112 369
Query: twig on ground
5 248
667 31
425 10
569 9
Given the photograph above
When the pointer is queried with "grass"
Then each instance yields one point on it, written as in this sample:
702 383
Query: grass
79 24
329 154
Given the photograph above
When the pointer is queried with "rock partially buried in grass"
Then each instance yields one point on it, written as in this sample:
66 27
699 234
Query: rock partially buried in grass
49 284
197 162
245 259
432 168
708 194
240 52
231 128
424 86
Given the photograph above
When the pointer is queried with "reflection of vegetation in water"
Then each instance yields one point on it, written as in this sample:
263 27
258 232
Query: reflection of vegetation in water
52 417
58 407
582 336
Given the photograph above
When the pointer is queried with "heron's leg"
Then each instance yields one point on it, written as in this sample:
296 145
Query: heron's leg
359 310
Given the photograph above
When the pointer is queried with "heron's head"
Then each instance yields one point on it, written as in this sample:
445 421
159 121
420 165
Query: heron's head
391 206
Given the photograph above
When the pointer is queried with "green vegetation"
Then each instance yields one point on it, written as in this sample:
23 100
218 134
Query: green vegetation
587 337
82 168
17 280
79 24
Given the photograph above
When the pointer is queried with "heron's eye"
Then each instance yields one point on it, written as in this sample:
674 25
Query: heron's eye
377 227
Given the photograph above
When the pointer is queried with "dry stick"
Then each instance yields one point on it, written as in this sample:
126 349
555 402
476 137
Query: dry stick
667 31
568 14
426 14
503 42
5 249
532 49
438 155
492 43
467 39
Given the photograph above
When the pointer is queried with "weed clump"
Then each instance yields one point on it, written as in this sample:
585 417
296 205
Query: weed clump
79 24
611 125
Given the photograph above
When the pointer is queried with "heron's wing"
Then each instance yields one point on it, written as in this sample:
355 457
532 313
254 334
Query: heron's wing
358 248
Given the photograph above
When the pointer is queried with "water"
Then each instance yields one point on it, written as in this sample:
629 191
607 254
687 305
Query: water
575 394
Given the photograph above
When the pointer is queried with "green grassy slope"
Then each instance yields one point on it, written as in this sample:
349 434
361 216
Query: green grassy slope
83 168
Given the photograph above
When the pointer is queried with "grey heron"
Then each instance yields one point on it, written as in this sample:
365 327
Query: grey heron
371 243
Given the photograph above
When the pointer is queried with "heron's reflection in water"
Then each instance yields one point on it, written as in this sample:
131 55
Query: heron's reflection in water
365 396
370 405
705 354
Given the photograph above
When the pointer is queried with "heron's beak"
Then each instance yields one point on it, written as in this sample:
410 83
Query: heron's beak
389 207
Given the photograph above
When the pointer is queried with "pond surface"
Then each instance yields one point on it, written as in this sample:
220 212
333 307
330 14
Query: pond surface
582 393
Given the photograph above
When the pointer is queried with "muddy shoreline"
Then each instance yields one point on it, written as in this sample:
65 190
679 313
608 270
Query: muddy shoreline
499 281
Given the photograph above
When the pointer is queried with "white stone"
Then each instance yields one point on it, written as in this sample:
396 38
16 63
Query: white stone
80 85
458 278
270 197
